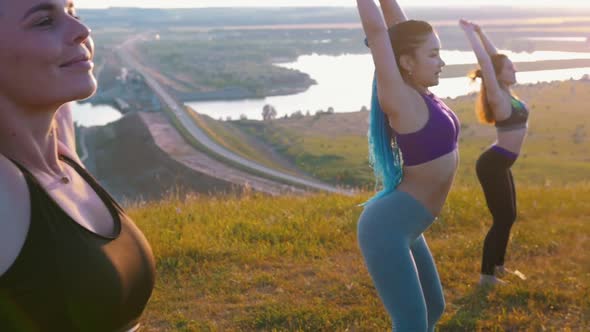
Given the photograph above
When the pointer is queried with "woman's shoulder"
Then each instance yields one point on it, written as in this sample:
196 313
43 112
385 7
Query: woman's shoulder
501 106
11 177
14 212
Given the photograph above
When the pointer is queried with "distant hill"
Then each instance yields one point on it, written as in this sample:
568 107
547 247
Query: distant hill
141 18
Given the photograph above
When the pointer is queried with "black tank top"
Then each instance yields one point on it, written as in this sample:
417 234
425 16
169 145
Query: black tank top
67 278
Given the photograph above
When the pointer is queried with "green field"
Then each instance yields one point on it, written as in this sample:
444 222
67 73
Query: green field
255 263
557 151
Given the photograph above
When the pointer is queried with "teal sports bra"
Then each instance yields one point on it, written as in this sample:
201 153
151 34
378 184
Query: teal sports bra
518 119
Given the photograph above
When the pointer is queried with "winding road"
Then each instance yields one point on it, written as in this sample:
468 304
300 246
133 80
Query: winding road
125 51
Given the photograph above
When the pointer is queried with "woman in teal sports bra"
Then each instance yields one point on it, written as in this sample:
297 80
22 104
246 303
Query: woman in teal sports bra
70 258
497 105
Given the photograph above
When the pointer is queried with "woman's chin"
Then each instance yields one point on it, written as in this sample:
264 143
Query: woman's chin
84 91
85 96
434 82
509 82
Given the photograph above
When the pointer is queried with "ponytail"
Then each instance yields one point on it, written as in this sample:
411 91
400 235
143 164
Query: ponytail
384 155
483 110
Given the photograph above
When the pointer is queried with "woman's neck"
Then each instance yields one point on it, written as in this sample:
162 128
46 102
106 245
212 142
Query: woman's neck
421 89
505 88
29 137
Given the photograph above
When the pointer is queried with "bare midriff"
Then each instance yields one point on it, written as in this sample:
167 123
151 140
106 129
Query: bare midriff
430 182
511 140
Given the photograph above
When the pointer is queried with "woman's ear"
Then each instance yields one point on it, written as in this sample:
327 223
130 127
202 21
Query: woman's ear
406 63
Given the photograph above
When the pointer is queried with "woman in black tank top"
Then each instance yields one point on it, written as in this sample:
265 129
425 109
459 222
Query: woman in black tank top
70 258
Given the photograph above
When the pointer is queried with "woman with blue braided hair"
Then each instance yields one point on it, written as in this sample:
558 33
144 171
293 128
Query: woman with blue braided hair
413 150
497 105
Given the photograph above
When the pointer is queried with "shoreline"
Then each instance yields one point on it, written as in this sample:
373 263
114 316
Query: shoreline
538 85
450 71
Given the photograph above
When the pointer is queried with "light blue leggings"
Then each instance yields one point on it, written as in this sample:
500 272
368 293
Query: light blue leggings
399 261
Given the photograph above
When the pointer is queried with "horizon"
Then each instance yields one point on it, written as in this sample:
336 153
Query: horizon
104 4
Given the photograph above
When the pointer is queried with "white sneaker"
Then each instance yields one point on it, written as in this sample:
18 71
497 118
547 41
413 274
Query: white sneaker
501 271
490 280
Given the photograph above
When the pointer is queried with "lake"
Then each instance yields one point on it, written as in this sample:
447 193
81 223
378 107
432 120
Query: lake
344 83
87 115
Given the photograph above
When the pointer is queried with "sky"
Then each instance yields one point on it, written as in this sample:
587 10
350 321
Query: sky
312 3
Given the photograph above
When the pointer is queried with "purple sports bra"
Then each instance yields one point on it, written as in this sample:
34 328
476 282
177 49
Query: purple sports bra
438 137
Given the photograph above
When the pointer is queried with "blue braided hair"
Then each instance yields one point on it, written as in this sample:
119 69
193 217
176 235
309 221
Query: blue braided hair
384 155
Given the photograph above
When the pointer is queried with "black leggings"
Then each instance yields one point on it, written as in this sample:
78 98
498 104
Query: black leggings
495 177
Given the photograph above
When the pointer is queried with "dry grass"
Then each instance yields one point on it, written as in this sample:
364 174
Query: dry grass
255 263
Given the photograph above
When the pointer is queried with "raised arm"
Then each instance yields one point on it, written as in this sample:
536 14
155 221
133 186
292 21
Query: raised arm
487 43
66 134
392 12
494 92
392 90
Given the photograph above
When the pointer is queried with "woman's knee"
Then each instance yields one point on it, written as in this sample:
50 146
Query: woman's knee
512 212
512 217
413 321
504 218
435 308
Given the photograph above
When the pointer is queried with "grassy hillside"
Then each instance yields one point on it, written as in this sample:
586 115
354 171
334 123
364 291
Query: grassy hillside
557 150
331 147
255 263
258 263
247 146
